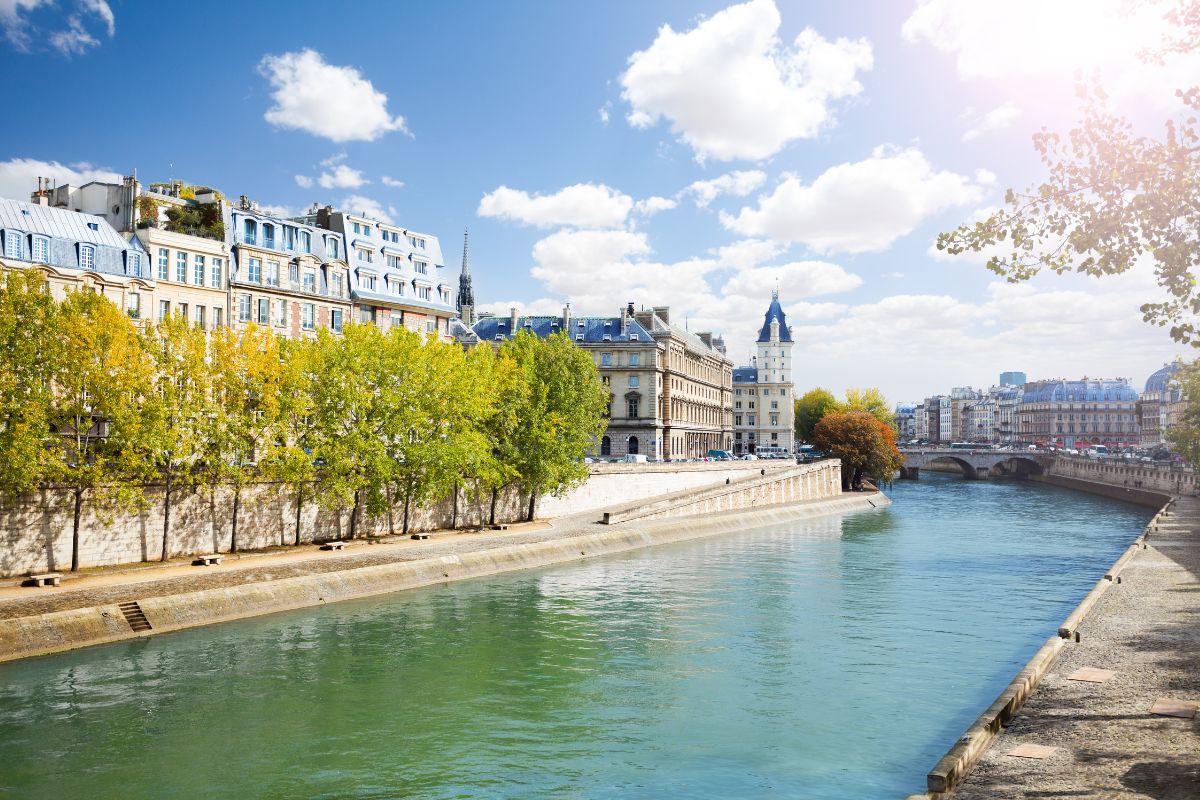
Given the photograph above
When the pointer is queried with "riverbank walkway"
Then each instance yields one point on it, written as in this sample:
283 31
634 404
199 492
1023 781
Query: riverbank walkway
1106 739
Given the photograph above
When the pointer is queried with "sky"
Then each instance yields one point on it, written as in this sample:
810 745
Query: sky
690 154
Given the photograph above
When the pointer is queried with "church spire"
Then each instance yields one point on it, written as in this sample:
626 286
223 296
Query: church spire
466 295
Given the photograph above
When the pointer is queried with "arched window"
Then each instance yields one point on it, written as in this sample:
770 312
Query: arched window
268 231
87 256
41 250
606 446
633 445
250 234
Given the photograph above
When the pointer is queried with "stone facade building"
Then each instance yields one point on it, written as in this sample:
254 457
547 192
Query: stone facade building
763 393
1078 414
1161 404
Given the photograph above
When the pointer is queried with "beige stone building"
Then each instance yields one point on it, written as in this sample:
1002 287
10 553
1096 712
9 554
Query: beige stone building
191 274
764 418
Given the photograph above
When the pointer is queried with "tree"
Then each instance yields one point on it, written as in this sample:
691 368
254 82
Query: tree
103 382
869 400
1184 432
292 461
558 404
247 378
865 445
29 354
810 408
181 411
1111 197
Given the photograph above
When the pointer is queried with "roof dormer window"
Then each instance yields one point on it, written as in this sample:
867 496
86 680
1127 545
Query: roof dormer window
87 256
94 225
12 244
41 250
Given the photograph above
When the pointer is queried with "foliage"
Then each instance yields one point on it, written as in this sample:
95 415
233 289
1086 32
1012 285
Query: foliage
291 461
102 381
1184 433
865 445
1111 198
815 404
28 354
203 219
870 400
147 209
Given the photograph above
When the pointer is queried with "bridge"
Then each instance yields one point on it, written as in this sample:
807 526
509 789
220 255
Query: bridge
976 464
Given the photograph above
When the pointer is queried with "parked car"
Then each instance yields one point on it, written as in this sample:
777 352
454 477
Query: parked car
749 457
720 455
635 458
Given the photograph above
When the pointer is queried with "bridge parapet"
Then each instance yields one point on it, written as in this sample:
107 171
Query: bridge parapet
976 464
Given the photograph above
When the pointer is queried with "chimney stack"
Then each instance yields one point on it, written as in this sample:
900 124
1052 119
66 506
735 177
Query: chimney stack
566 316
512 321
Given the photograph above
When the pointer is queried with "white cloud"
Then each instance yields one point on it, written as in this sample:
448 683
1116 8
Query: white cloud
738 184
18 176
15 22
999 118
76 38
749 252
543 306
278 210
652 205
730 89
341 177
605 111
101 9
335 103
303 181
583 205
856 207
391 182
368 207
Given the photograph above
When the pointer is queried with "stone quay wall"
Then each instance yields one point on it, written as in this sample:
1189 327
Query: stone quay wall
1134 476
35 531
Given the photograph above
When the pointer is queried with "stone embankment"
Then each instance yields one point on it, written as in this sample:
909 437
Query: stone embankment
1117 691
115 606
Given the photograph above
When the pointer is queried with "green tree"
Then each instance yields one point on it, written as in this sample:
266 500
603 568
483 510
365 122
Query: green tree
870 400
247 376
103 382
813 405
1111 197
558 403
292 462
181 411
1184 432
29 353
866 446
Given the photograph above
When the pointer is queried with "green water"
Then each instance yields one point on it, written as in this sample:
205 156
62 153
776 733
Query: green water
832 658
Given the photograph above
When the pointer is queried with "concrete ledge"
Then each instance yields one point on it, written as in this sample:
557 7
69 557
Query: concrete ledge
1142 497
64 630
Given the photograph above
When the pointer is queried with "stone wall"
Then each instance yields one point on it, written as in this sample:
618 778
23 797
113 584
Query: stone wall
1133 476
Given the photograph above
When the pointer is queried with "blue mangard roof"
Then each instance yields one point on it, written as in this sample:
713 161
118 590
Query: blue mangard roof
1080 391
593 329
67 233
745 375
1160 379
775 313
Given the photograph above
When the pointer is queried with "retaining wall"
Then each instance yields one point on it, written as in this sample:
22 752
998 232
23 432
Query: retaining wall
1134 476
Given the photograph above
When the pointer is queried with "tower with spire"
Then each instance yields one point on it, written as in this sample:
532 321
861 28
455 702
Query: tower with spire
466 295
763 411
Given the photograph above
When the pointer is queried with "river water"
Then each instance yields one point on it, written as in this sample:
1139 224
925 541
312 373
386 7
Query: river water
832 658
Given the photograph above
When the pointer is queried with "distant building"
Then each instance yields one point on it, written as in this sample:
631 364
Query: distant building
1013 379
1078 414
979 420
920 423
905 421
1161 404
763 393
76 251
1007 399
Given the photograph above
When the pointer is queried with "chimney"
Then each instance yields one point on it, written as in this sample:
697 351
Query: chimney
244 203
623 318
512 321
706 337
663 313
566 316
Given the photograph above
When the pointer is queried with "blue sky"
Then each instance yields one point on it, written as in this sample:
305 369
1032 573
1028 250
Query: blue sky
694 154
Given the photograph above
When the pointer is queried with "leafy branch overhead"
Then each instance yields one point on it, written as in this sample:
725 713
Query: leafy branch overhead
1112 199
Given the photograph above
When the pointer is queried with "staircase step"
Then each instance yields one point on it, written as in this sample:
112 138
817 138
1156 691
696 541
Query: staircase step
134 616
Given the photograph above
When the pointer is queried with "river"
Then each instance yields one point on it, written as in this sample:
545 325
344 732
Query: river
837 657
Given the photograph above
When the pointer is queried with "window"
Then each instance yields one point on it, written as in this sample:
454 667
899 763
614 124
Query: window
332 248
335 320
133 305
633 381
751 420
632 409
737 420
338 291
738 404
367 315
310 282
250 232
41 250
369 283
606 359
198 270
272 273
774 419
281 313
218 316
305 241
133 262
289 237
268 235
164 263
393 262
12 244
365 256
87 256
264 311
774 404
200 317
181 267
417 242
444 294
307 316
606 446
182 310
244 308
254 270
431 325
294 274
635 359
421 267
215 270
164 309
400 288
423 292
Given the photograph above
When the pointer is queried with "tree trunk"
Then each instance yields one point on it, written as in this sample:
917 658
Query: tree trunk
391 521
299 508
532 504
492 516
454 509
237 504
354 516
75 531
166 519
407 505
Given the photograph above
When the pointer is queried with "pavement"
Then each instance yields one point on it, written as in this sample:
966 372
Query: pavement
1100 738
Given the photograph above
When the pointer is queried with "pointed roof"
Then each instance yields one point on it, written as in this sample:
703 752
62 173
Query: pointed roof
775 313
